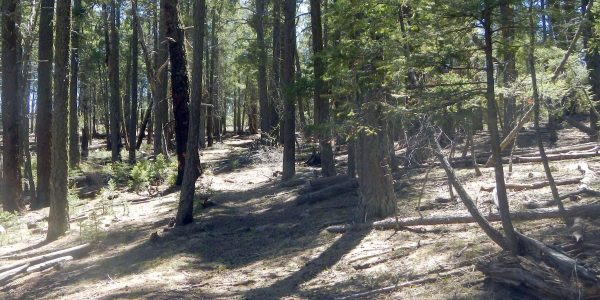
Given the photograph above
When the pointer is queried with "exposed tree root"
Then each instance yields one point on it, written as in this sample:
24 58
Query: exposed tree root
328 193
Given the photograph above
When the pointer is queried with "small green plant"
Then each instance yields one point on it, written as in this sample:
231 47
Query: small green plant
120 173
8 219
140 175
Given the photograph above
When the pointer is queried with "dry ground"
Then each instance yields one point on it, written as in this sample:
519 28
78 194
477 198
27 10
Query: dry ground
255 243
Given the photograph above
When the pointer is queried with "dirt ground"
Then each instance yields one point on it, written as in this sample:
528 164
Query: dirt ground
256 243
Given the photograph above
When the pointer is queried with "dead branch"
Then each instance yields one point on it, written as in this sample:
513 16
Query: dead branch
511 136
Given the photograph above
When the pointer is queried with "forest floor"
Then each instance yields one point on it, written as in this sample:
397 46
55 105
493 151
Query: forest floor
254 242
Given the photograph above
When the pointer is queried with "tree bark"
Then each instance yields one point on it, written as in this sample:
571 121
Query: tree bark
263 97
113 70
12 189
192 165
179 83
134 82
503 207
161 104
321 103
287 80
536 118
74 154
58 219
44 103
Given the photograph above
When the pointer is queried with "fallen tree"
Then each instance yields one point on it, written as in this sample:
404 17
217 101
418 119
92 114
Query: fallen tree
592 210
10 274
76 252
49 264
328 192
533 185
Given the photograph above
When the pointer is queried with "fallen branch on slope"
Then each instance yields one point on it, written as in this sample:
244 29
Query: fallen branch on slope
533 185
462 218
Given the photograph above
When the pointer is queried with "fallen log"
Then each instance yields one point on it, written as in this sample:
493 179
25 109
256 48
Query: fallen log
76 251
323 182
533 185
579 147
8 275
327 193
560 156
49 264
462 218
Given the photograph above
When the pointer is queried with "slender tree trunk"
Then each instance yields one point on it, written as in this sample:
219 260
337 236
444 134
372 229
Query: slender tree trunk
161 104
321 102
192 165
12 189
536 111
86 99
58 219
179 83
113 70
263 97
287 80
509 71
74 155
495 136
134 82
210 117
275 100
592 59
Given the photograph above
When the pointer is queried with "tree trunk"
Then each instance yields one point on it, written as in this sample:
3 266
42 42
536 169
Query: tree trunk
321 103
210 116
58 219
376 185
179 83
134 83
495 137
161 104
536 118
113 70
275 100
12 189
263 97
74 154
509 72
592 59
192 165
287 80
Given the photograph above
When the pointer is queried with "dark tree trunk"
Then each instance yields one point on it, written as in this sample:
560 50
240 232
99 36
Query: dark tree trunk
192 164
134 83
74 155
58 219
210 116
503 207
275 100
44 103
113 71
179 83
161 105
321 103
86 103
12 189
263 97
287 80
592 59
